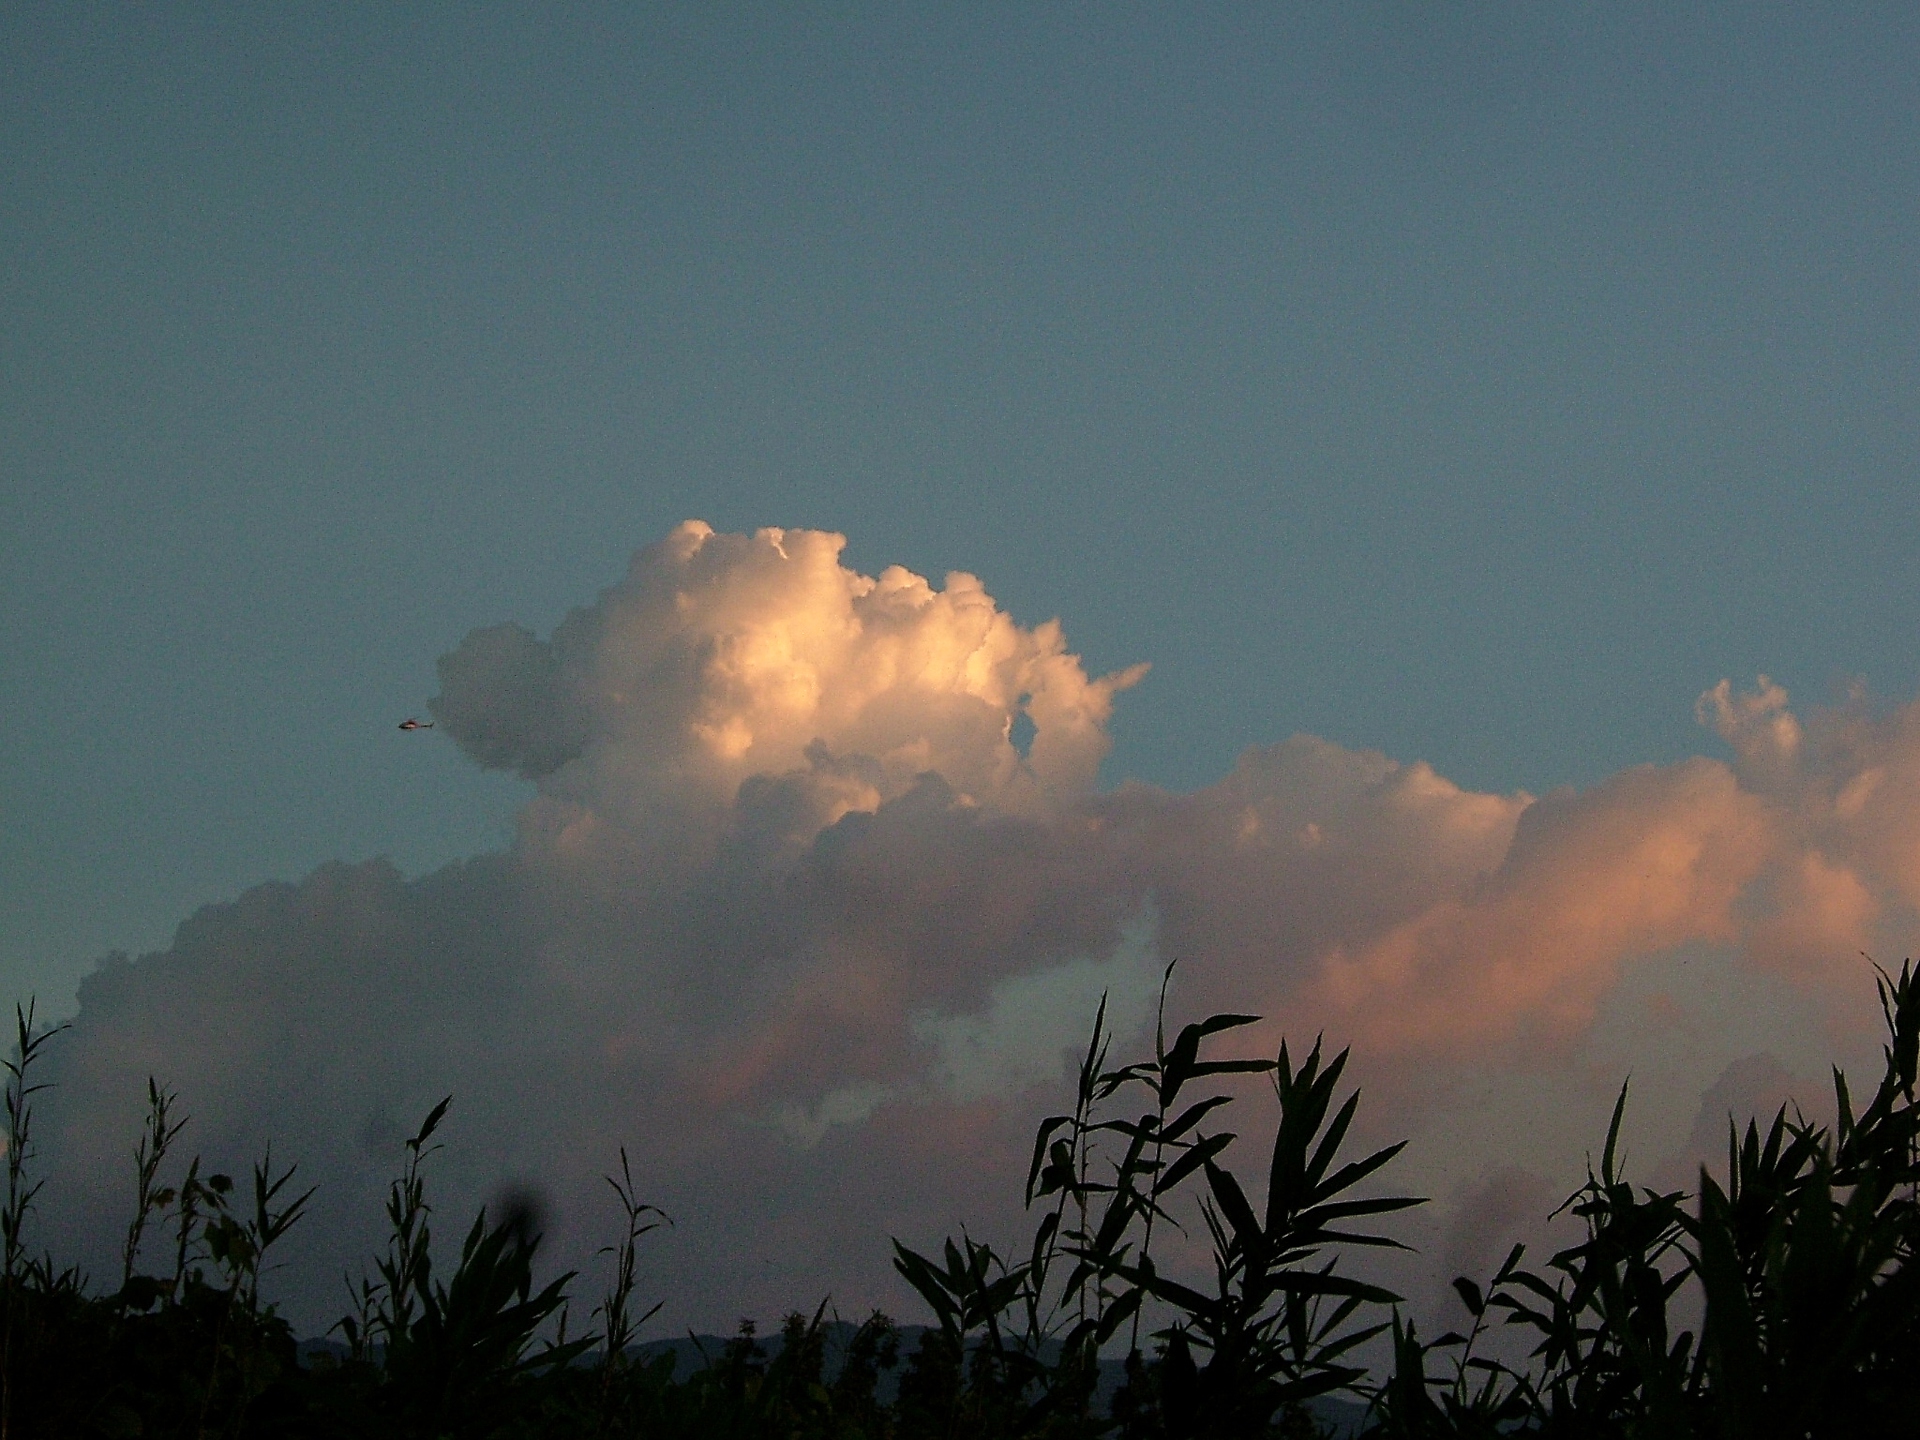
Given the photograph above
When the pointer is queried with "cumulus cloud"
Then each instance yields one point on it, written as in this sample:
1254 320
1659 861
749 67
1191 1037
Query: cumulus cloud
1015 1042
800 916
724 658
1648 860
1753 1088
1508 1207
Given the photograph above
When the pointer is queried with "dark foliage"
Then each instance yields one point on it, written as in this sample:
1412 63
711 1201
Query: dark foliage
1802 1260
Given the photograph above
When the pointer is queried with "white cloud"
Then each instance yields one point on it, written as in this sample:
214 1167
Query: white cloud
807 1125
1032 1022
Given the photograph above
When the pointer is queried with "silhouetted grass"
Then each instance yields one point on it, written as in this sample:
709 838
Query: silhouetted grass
1802 1259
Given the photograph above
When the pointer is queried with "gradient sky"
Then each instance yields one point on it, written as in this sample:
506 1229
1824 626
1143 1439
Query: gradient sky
1478 383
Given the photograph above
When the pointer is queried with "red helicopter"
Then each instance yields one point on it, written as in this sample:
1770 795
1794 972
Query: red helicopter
412 724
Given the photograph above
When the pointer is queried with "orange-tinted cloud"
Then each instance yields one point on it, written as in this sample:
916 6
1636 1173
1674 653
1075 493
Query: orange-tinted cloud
796 916
1650 859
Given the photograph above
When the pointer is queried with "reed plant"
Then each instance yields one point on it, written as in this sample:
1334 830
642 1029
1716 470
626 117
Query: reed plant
1800 1260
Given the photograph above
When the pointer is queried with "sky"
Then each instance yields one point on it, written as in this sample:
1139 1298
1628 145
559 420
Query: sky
1464 391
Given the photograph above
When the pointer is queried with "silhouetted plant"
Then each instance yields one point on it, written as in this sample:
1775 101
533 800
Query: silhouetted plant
1804 1262
1801 1260
20 1090
1278 1328
150 1198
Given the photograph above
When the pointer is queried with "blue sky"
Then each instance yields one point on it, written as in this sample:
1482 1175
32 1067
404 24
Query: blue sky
1479 383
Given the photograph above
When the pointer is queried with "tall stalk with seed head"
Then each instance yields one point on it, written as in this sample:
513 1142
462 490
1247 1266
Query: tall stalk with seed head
19 1097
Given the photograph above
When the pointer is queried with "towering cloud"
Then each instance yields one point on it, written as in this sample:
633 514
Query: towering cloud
816 886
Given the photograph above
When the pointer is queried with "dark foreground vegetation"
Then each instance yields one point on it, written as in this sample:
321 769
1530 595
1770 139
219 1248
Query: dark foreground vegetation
1801 1257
